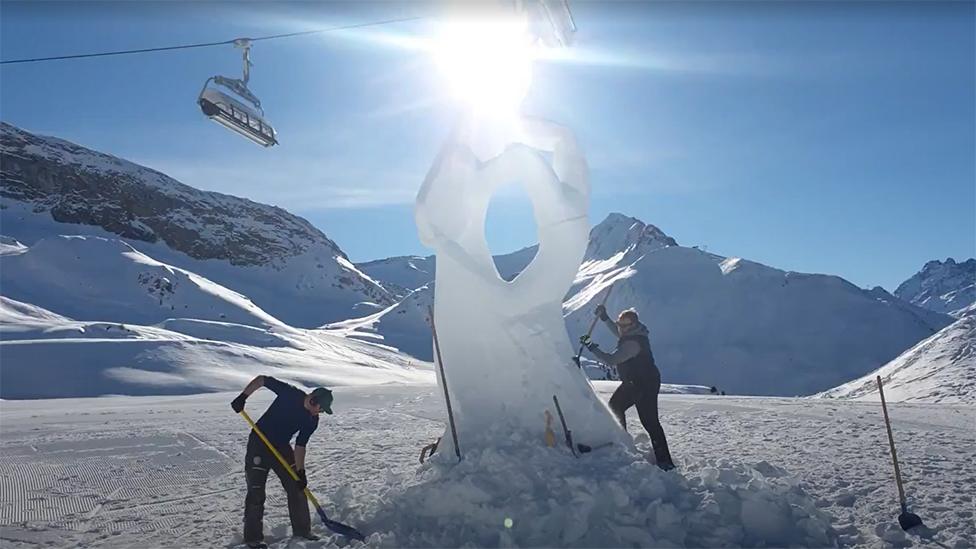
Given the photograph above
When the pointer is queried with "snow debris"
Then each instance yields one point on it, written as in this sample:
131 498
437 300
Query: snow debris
610 498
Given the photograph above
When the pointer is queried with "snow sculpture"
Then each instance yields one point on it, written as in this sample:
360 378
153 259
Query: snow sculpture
505 348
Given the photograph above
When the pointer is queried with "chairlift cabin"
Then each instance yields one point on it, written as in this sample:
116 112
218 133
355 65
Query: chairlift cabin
234 115
244 115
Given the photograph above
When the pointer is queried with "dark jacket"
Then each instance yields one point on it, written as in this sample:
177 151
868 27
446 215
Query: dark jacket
633 357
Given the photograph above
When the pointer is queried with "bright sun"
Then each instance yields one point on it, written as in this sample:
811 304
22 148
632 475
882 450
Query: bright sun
488 65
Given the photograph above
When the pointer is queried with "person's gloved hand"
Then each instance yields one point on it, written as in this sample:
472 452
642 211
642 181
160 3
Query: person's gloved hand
238 403
588 343
302 479
601 311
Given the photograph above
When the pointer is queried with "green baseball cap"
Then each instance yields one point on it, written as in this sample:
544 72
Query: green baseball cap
323 397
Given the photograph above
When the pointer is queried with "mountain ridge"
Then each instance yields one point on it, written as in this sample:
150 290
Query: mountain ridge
941 286
724 321
50 186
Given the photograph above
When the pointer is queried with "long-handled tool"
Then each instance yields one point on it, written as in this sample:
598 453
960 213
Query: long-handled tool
447 396
905 519
586 448
589 332
335 526
566 431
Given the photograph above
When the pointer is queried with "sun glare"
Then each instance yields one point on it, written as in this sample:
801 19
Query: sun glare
487 64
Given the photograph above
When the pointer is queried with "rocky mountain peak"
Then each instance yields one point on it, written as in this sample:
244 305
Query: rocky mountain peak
943 286
619 233
82 186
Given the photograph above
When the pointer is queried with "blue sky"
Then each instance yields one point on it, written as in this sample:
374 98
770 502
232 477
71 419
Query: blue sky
818 137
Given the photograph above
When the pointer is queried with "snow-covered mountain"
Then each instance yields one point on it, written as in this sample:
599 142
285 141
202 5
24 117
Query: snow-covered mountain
741 325
942 286
404 326
403 274
940 369
49 186
729 322
95 278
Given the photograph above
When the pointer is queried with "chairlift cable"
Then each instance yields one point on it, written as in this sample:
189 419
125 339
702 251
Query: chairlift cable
211 44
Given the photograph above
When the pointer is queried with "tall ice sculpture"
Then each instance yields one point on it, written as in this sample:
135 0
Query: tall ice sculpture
504 345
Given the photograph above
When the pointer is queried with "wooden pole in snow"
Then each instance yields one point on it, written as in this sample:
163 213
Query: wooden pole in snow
447 396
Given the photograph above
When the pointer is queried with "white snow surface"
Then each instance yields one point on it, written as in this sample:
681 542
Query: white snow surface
764 472
941 368
10 246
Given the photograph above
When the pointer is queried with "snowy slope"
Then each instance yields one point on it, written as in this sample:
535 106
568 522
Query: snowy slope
944 287
404 326
93 278
50 187
739 325
166 472
403 274
940 369
400 275
47 355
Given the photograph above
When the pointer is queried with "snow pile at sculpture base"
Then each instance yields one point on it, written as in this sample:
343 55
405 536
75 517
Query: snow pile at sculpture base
522 494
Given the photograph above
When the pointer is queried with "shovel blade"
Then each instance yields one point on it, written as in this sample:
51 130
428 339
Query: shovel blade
909 520
345 530
340 528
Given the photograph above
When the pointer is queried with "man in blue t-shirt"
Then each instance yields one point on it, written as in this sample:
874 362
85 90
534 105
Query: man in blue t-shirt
293 411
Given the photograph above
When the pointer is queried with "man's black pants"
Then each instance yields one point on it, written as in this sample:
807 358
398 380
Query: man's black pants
258 462
644 396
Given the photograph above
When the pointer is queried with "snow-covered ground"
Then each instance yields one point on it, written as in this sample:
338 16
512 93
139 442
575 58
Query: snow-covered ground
167 472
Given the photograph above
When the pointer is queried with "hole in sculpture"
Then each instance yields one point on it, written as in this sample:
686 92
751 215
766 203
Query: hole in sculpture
511 231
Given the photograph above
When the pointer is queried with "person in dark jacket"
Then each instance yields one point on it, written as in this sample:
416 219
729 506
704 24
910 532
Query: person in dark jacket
640 380
293 411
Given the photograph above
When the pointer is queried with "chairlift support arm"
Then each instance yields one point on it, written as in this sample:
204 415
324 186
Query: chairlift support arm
245 44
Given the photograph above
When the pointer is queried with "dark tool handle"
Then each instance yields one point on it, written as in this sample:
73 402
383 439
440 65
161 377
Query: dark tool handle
589 332
566 431
447 396
891 441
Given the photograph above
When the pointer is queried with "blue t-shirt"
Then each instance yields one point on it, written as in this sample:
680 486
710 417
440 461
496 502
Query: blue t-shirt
287 415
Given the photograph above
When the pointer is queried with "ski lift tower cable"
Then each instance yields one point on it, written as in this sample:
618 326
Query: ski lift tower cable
211 44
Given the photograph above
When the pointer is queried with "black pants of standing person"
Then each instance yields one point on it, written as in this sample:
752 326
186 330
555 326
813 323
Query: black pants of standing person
643 394
257 464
